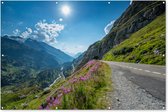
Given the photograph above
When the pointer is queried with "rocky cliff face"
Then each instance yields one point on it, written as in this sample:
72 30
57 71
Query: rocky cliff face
136 16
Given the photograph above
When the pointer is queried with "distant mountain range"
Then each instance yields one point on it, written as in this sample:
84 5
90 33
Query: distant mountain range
24 61
77 55
31 50
58 55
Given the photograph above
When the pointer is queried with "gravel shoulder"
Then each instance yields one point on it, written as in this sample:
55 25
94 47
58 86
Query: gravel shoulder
127 95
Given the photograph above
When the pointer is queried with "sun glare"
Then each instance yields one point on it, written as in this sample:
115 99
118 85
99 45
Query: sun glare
66 10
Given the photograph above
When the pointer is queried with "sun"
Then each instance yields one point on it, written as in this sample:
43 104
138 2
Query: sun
66 10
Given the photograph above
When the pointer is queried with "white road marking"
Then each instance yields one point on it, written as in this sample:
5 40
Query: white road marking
156 72
139 69
147 71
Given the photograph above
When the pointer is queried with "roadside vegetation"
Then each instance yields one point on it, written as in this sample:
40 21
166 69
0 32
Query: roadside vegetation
85 89
145 46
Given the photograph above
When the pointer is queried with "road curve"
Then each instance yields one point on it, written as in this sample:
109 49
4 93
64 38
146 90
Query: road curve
141 84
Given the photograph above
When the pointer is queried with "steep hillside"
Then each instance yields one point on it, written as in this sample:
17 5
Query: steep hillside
58 55
24 67
137 15
85 89
27 60
46 77
78 60
77 55
145 46
18 54
20 86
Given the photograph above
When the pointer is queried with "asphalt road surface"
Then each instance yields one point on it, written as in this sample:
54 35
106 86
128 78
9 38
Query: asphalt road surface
137 86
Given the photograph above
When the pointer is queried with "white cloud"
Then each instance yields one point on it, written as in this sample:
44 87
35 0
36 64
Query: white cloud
49 27
35 32
131 2
43 31
47 32
20 23
108 27
27 33
29 30
60 19
16 32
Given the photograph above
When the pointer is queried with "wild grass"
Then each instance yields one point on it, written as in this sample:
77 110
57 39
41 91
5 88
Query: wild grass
83 90
145 46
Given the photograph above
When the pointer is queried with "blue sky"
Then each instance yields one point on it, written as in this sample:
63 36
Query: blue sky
71 29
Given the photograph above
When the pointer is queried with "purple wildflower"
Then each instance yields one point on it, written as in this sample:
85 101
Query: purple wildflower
50 105
90 63
83 78
47 107
87 76
40 107
59 95
66 90
73 80
56 102
48 99
52 99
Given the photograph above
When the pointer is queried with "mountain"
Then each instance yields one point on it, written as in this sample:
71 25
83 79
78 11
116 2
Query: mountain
29 62
17 38
58 55
69 67
46 77
19 54
22 64
78 60
148 45
136 16
77 55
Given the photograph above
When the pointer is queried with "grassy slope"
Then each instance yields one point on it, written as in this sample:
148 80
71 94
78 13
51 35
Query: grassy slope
145 46
83 94
13 100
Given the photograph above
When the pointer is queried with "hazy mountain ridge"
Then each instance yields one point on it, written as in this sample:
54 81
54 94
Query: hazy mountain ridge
26 56
58 55
77 55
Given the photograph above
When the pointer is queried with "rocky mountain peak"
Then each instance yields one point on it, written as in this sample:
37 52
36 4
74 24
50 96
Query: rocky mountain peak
135 17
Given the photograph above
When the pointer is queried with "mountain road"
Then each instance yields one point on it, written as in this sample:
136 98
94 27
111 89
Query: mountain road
137 86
